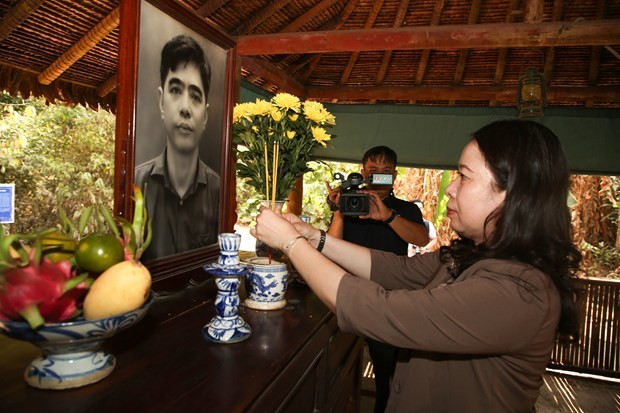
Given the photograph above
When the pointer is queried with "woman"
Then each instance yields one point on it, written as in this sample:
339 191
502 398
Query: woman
478 319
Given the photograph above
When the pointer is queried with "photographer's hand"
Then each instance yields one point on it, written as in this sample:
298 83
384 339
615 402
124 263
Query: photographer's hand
333 197
378 210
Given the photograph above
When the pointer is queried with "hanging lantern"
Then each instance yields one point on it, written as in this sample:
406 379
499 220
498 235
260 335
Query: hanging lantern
532 94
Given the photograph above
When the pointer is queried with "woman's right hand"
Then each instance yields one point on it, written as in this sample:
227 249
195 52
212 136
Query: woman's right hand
310 233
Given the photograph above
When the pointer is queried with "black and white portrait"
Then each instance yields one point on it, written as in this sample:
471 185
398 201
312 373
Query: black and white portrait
180 95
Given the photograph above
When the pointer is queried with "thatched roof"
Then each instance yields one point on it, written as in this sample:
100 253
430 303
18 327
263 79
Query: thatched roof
423 52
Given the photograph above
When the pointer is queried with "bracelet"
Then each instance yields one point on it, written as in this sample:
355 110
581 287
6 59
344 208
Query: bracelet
289 245
391 217
319 247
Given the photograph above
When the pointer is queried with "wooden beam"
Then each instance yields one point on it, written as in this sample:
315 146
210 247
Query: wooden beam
274 75
450 37
462 93
16 15
79 49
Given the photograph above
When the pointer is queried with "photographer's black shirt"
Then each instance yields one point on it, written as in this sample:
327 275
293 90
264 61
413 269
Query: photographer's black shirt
378 235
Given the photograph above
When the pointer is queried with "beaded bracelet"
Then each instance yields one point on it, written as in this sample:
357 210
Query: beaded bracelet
319 247
289 245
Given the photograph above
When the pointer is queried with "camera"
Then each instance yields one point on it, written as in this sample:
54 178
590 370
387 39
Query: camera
351 201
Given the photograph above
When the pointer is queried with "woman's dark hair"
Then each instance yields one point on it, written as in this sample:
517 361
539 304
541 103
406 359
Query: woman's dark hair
533 224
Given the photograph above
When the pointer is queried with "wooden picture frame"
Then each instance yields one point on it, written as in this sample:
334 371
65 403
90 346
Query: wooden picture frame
145 26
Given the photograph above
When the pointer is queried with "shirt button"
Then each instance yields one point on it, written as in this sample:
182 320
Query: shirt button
396 387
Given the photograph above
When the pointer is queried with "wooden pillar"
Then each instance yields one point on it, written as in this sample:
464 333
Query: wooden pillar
294 203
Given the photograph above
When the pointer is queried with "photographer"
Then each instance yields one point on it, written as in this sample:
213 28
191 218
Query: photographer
400 224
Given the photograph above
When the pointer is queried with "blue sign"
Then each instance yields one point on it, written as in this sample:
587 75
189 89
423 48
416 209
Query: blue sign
7 203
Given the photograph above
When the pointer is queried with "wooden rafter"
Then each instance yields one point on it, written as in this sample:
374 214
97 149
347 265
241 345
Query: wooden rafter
337 24
16 15
107 86
270 73
79 49
210 6
370 21
533 11
556 15
500 66
261 16
387 55
426 53
299 22
474 12
595 55
452 37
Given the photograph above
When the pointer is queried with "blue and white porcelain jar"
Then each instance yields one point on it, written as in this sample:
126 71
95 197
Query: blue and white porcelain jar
267 284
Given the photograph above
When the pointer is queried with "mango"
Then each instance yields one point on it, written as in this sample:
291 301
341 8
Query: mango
121 288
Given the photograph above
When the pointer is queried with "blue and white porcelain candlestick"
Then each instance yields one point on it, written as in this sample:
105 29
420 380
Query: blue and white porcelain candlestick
227 326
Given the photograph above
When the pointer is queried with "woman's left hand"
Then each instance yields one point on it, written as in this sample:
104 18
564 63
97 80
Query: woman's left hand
274 229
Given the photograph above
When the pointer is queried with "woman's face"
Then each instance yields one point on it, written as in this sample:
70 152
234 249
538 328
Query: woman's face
473 196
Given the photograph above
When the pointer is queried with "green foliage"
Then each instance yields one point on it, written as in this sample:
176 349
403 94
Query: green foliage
55 154
442 199
605 258
314 196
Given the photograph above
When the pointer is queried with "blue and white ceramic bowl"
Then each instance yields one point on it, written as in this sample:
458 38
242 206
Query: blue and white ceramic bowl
72 354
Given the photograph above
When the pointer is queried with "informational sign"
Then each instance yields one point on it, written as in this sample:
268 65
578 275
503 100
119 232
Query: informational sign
7 203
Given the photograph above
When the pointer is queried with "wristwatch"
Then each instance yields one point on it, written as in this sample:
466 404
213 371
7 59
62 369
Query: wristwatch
391 217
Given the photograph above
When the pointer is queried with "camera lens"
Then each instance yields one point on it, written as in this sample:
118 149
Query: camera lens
354 204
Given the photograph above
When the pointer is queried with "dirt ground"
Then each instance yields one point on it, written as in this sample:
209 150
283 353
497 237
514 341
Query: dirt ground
567 394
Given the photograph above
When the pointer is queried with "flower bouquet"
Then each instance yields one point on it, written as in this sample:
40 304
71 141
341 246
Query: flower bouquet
58 290
274 141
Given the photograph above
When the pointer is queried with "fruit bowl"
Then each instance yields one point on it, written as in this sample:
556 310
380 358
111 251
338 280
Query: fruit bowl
72 351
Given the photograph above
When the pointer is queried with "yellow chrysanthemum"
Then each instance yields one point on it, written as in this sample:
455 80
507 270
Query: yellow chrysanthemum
316 112
261 107
320 135
286 101
276 114
280 120
330 119
242 110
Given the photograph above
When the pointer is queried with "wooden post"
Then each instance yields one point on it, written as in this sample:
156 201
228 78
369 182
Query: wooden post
294 203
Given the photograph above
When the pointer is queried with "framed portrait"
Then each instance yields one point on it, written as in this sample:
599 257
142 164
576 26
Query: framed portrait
176 89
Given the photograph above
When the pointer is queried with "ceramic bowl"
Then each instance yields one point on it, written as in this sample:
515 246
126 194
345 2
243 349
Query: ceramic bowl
72 354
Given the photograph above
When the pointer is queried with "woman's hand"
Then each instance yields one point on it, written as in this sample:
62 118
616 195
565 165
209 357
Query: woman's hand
277 230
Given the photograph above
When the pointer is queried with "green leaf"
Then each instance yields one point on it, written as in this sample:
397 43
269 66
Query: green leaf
84 217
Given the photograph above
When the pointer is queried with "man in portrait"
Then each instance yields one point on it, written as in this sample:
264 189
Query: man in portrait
182 192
